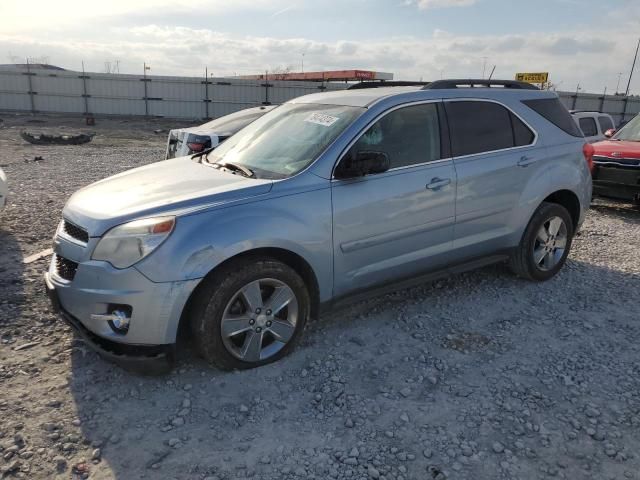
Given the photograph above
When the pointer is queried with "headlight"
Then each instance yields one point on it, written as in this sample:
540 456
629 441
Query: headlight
127 244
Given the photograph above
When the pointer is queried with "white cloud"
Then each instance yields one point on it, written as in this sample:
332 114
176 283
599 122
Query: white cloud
425 4
21 16
570 56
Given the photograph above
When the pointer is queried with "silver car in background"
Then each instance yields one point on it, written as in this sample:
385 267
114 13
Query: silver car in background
329 197
187 141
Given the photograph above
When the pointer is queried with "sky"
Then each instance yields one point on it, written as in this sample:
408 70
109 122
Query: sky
584 44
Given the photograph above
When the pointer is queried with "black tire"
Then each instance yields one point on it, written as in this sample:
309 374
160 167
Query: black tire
522 261
219 289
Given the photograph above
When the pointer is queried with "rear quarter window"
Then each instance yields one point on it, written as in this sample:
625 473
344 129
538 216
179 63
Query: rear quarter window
605 123
556 113
588 126
481 126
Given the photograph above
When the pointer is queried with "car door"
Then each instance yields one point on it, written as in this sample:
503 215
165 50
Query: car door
394 224
495 153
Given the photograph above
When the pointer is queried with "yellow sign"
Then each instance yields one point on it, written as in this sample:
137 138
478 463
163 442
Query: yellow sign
541 77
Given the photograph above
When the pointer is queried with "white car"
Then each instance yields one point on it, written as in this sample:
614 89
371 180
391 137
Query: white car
594 125
186 141
4 189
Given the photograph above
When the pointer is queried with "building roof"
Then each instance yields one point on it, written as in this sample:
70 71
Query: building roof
325 76
23 66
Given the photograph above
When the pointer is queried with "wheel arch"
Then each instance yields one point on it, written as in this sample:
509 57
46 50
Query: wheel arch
289 258
568 200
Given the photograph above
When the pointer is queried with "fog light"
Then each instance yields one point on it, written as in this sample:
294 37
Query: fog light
118 319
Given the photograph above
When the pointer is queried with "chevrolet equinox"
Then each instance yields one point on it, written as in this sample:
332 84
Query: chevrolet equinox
324 198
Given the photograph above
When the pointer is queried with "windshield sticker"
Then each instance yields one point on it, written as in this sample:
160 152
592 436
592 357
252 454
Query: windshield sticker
321 119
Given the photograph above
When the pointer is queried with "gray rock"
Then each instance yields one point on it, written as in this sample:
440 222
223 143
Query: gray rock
373 472
177 422
60 463
96 454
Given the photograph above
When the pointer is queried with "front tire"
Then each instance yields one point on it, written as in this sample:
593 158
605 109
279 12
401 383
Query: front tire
545 244
250 313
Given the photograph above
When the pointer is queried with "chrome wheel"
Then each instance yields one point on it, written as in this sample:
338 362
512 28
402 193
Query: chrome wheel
259 320
550 244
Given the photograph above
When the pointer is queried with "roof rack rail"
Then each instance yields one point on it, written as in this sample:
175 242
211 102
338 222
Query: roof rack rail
585 111
384 83
473 82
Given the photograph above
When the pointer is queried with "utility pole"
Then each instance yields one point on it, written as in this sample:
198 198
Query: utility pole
635 57
302 63
484 66
575 97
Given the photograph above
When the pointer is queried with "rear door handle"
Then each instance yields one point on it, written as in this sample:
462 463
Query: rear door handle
525 161
437 183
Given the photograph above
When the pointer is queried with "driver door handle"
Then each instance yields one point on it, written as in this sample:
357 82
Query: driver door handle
437 183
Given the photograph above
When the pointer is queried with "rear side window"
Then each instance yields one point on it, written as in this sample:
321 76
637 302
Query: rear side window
556 113
588 127
477 127
605 123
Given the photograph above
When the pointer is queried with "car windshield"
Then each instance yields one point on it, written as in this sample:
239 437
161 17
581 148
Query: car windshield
286 140
630 132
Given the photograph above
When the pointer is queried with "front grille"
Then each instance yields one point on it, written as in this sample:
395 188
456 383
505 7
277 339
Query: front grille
631 162
66 269
75 232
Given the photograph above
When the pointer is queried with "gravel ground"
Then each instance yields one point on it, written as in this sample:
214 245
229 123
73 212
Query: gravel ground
480 376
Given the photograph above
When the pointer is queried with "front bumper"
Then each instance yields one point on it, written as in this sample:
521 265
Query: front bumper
621 182
156 308
144 359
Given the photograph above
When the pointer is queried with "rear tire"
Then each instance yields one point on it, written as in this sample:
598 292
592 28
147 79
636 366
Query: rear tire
545 244
232 321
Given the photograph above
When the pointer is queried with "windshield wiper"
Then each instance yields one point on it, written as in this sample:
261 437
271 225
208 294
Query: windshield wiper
203 152
247 172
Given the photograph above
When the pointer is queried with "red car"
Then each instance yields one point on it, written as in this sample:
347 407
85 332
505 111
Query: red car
616 163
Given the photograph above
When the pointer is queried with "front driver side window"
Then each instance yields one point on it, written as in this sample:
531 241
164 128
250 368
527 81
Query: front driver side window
408 135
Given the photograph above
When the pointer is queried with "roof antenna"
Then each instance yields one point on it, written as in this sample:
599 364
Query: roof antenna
492 70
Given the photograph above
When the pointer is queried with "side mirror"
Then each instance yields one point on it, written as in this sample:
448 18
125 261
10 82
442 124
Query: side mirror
363 163
610 133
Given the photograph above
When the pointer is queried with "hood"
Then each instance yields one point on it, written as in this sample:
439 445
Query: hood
172 186
617 149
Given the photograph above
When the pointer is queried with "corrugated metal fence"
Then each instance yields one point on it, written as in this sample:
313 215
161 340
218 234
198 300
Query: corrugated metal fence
618 106
60 91
63 91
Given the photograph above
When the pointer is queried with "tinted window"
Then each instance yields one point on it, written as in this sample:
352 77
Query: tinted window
605 123
522 135
409 135
478 127
556 113
588 127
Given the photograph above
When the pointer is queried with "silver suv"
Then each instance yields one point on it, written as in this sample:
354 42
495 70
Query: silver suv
326 198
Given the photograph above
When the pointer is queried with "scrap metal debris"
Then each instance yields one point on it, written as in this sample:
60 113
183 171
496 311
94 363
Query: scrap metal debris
63 139
38 256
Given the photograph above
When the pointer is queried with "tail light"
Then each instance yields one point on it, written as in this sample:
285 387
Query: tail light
198 143
588 151
195 147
